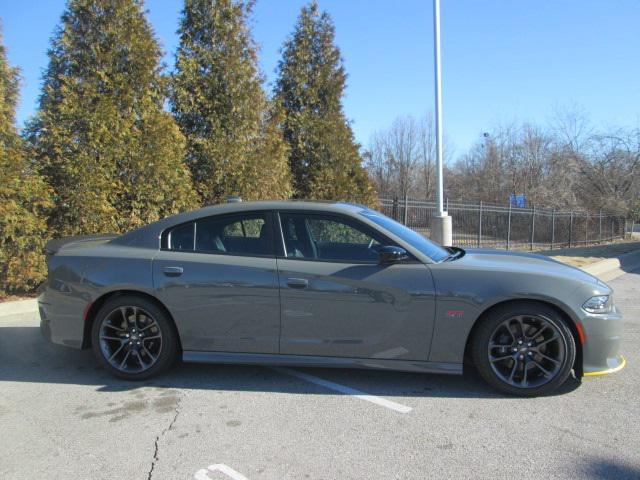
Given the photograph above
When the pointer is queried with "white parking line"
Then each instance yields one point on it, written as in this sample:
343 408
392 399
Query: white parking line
346 390
218 467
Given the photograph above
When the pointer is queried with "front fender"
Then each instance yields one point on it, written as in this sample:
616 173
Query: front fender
463 295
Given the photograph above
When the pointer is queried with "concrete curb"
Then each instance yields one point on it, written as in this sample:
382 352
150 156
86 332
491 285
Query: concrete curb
605 270
611 268
18 307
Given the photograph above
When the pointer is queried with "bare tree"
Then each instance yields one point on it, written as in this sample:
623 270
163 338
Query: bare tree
571 127
393 157
402 151
565 164
610 170
379 166
427 152
401 159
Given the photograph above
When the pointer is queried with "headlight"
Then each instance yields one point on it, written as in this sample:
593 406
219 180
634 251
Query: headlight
599 304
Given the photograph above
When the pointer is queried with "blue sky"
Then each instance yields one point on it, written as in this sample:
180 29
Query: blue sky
503 60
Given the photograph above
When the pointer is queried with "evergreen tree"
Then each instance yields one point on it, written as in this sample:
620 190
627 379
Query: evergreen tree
107 147
24 197
324 157
233 144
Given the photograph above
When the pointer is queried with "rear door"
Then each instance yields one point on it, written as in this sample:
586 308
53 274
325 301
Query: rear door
218 278
337 300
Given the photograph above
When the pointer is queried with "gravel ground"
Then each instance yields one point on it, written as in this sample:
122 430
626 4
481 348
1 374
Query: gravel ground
61 416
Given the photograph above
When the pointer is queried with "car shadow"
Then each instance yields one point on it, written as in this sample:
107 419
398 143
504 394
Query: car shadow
26 357
630 263
601 468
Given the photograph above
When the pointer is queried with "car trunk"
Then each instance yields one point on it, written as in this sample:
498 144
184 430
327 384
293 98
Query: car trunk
52 247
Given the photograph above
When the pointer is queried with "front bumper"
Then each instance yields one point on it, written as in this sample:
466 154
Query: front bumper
617 364
601 349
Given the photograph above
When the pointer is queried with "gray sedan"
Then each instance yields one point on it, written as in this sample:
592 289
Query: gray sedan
324 284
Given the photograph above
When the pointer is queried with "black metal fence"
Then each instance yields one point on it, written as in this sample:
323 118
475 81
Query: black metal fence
486 225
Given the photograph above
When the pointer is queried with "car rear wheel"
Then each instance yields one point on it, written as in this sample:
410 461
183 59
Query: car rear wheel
133 338
524 349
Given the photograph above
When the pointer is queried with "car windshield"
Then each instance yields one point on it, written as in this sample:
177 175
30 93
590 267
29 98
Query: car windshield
426 246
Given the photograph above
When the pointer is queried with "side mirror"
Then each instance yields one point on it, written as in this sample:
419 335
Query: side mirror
392 254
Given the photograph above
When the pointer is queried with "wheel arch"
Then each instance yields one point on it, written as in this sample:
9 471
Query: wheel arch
97 304
571 323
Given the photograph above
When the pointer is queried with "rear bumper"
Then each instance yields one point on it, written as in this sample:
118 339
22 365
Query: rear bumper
61 319
601 349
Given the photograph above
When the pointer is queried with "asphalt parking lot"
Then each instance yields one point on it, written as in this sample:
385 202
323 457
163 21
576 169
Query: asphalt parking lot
61 416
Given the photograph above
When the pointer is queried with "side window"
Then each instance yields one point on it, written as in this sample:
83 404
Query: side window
181 237
332 231
289 228
329 238
240 235
247 228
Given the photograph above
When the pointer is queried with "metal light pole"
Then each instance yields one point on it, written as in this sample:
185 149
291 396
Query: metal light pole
441 231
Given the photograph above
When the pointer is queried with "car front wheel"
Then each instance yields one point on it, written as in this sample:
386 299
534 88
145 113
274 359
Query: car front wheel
133 338
524 349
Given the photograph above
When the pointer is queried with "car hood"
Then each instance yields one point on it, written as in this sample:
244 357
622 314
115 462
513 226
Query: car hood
485 258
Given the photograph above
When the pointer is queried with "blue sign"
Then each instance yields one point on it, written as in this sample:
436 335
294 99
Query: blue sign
518 200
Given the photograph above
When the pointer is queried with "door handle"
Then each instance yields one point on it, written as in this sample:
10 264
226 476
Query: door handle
172 271
297 283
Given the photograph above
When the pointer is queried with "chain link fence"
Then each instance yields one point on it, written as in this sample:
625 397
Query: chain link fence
496 226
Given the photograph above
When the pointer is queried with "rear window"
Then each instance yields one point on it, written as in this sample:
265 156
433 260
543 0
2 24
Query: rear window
237 235
181 238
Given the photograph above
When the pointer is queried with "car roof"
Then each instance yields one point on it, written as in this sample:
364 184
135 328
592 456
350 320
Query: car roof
149 235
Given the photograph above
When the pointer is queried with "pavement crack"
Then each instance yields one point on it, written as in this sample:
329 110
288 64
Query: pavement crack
156 455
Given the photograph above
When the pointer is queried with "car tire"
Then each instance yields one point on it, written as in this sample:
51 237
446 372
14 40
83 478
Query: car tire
135 327
511 358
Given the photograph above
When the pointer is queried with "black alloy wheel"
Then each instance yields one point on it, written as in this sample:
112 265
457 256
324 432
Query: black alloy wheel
524 349
134 338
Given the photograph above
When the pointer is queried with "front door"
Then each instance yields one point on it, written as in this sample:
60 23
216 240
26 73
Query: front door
337 300
218 278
